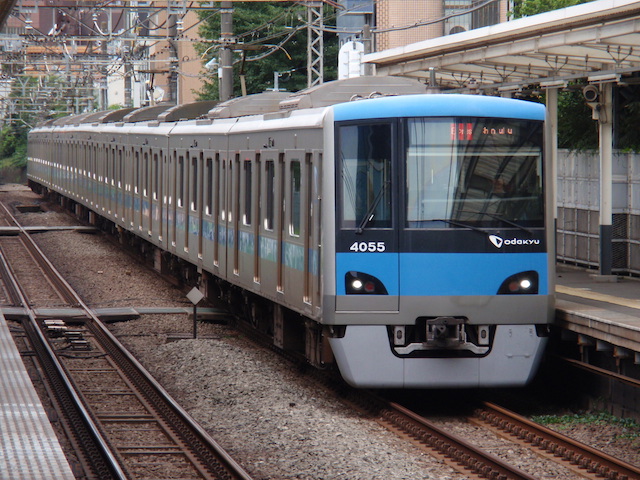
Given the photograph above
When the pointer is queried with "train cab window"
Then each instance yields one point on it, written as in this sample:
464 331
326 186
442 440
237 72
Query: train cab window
248 174
365 153
295 211
270 167
478 172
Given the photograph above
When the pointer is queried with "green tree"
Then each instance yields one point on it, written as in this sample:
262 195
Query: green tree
32 100
526 8
576 129
278 32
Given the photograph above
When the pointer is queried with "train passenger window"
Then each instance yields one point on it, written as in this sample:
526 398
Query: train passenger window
270 168
180 193
365 153
156 176
136 174
222 192
120 169
295 211
194 185
145 175
248 173
208 209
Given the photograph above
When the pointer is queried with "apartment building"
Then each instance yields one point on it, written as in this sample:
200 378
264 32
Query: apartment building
401 22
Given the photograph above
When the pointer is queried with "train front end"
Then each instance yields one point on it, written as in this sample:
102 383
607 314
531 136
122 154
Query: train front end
442 270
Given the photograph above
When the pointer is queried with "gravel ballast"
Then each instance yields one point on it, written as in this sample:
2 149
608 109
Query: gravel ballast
276 421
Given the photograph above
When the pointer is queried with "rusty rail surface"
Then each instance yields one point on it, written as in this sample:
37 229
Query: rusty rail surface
94 352
560 446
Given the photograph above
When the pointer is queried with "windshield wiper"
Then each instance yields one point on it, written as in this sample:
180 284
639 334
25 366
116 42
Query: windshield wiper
372 208
458 224
508 222
500 219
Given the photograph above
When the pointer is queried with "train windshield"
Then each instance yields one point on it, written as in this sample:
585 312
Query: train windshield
366 156
475 172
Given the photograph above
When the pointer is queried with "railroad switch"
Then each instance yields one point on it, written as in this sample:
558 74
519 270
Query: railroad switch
80 345
72 335
56 331
55 327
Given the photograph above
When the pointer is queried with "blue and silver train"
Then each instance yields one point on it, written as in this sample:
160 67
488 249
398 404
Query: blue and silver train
405 237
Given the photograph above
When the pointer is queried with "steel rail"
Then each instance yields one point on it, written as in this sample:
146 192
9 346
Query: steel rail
561 446
95 455
600 371
452 446
213 457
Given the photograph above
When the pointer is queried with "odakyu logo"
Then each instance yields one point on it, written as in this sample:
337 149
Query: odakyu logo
498 242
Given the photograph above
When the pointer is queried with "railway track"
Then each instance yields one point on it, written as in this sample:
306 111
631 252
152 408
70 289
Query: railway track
438 441
120 422
578 456
582 459
461 454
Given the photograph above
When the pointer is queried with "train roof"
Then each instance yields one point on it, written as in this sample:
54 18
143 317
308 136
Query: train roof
147 114
341 94
350 89
259 103
326 94
187 111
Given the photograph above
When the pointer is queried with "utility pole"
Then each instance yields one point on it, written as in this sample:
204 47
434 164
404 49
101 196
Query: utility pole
225 74
367 40
315 43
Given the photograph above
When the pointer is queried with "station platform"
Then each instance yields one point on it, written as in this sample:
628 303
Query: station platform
29 448
603 311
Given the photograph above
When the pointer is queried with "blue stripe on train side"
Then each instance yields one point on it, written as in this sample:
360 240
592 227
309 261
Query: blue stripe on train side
431 274
439 105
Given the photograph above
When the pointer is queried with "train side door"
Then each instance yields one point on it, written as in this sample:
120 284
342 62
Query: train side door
134 217
194 210
121 184
270 225
295 255
249 191
233 222
156 194
112 181
145 193
171 182
222 214
181 214
367 254
209 213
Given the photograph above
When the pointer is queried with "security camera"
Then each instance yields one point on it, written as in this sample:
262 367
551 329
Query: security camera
591 93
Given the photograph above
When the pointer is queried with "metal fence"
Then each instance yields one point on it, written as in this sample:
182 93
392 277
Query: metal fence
578 210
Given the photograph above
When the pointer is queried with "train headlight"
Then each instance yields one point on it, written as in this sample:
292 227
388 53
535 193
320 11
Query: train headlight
522 283
525 284
358 283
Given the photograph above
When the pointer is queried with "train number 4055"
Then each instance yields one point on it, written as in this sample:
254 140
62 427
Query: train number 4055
368 247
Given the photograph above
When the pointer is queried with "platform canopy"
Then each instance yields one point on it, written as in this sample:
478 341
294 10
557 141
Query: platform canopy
597 41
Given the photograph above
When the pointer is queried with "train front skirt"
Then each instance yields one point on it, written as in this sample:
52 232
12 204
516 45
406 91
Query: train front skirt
365 360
